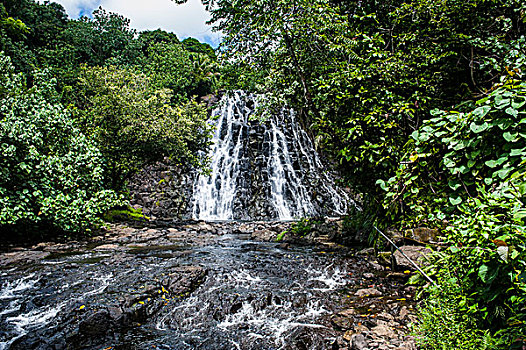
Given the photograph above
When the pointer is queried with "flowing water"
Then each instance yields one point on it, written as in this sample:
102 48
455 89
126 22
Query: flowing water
255 296
263 169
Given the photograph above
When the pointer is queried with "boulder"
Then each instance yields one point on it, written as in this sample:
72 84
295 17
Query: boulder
368 292
415 253
184 279
25 257
383 330
423 234
96 324
358 342
263 235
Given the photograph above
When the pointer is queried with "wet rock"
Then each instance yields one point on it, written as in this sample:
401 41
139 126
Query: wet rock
24 257
96 324
264 235
358 342
368 292
185 279
415 253
117 315
342 322
339 344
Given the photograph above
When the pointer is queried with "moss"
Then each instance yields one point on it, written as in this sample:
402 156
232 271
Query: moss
125 214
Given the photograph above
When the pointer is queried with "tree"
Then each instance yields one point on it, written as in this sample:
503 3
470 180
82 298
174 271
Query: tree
50 173
134 123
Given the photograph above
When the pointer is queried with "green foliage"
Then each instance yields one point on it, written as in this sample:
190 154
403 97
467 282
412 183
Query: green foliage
442 325
300 228
187 74
360 224
129 96
50 173
107 38
195 46
365 74
485 263
455 153
134 123
469 167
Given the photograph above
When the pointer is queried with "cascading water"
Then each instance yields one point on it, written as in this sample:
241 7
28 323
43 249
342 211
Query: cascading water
263 169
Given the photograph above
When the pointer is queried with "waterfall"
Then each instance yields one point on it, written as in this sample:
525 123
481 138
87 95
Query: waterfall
263 169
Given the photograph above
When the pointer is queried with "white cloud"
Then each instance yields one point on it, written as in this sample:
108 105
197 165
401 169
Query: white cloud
76 8
184 20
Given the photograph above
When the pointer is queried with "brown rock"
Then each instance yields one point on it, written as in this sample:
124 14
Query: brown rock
368 292
358 342
108 247
342 322
424 234
25 257
404 311
184 279
383 330
415 253
264 235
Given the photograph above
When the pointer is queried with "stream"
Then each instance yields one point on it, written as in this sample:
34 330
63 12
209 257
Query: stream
229 292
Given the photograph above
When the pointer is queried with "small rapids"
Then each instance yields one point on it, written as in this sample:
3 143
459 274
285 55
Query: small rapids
255 296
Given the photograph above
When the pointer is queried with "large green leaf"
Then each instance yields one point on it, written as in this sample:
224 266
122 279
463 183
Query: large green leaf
512 111
510 136
476 128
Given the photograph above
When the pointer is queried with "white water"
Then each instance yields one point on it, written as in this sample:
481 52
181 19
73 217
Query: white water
296 174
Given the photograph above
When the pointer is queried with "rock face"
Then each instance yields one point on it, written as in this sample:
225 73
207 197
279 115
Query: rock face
163 190
263 169
138 299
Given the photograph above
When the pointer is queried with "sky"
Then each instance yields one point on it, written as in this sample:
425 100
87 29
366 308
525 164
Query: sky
184 20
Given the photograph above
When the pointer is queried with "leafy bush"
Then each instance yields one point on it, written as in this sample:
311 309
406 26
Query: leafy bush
482 274
50 173
300 228
457 152
442 326
465 171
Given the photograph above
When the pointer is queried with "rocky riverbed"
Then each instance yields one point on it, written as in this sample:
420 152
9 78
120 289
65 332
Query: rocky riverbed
200 285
